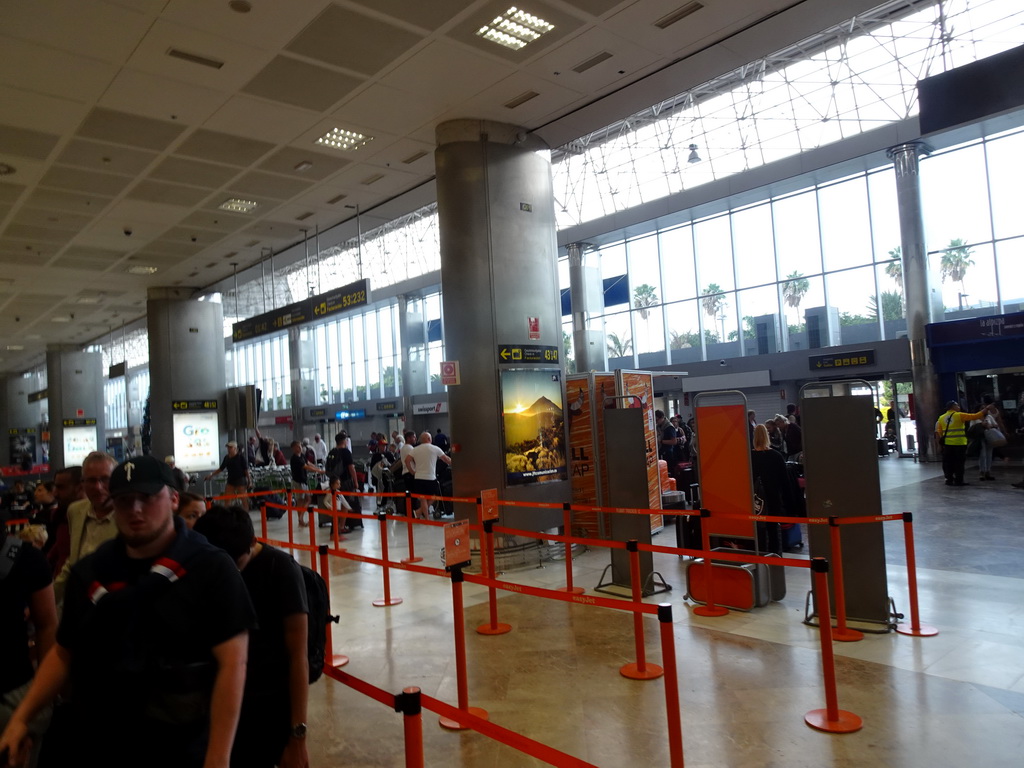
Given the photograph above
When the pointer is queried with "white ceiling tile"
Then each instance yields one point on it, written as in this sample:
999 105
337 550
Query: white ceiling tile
164 99
33 67
40 112
447 74
268 25
260 119
381 108
99 30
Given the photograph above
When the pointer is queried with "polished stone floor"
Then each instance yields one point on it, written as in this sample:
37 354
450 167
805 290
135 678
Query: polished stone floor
745 680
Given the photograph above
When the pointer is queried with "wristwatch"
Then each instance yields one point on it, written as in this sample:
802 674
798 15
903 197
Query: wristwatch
298 731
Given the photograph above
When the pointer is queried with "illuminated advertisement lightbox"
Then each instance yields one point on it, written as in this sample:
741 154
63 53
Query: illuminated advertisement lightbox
533 426
196 436
79 442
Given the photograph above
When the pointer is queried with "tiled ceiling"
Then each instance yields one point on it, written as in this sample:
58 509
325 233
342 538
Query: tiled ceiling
127 124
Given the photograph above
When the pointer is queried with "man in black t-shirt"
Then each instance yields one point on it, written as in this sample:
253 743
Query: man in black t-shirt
340 463
153 638
25 583
237 467
272 726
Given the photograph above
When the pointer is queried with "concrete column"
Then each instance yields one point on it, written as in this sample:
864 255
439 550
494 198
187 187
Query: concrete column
586 298
17 413
499 271
186 360
923 301
74 383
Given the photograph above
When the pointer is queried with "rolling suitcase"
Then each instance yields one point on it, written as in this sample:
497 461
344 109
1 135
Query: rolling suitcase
883 446
792 538
742 586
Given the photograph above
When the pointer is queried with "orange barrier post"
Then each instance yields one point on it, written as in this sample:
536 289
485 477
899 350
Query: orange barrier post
567 529
408 703
408 522
263 518
312 537
841 633
460 656
672 711
832 719
387 599
916 628
330 659
640 670
336 537
487 552
709 609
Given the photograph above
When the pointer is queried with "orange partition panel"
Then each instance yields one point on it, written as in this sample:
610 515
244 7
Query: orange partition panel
724 455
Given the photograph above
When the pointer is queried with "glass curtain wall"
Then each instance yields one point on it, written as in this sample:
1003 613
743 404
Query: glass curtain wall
751 280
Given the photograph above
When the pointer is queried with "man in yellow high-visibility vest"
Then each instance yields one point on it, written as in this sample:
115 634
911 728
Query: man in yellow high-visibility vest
951 435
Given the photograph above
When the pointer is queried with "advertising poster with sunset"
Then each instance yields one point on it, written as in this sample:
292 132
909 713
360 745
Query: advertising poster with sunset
534 439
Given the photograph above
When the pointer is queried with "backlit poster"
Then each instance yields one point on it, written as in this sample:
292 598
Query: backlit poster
79 442
196 438
533 426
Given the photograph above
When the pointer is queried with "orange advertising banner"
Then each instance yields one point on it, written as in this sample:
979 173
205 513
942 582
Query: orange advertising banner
724 452
585 395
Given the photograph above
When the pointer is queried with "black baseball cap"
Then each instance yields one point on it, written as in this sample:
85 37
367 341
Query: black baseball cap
951 403
143 474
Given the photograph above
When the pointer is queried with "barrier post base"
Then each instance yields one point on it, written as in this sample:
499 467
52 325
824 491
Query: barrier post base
408 560
383 603
455 725
494 629
633 671
572 591
710 610
847 635
923 630
338 660
847 722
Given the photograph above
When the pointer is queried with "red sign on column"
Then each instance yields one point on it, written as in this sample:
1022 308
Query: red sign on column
533 325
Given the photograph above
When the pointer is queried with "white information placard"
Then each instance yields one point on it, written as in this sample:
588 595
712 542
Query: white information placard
79 442
196 436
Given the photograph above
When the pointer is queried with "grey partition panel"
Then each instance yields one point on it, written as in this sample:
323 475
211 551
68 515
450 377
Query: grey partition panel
841 470
625 448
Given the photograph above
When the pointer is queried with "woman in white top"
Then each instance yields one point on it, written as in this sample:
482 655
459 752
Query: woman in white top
991 421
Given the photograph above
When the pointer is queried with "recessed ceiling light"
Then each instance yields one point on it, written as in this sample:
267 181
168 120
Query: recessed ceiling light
515 29
305 165
141 269
339 138
87 300
237 205
60 319
14 347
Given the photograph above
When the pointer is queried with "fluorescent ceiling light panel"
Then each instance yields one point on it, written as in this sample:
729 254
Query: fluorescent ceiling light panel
515 29
339 138
237 205
141 269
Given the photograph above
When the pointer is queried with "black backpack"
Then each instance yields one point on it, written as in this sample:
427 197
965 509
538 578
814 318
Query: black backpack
319 614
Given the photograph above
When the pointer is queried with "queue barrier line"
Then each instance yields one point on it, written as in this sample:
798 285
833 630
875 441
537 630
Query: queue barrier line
565 597
517 741
607 543
532 504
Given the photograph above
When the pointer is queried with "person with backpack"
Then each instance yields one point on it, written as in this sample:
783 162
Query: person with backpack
272 724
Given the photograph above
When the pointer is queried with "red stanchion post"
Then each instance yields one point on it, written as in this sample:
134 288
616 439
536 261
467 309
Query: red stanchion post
709 609
334 660
832 719
387 599
672 709
460 656
336 537
311 519
841 633
915 628
640 670
263 518
408 703
412 539
567 530
493 627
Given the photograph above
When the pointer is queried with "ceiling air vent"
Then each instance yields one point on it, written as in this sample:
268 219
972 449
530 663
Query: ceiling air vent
372 179
337 199
677 15
304 216
593 61
413 158
521 99
195 58
252 243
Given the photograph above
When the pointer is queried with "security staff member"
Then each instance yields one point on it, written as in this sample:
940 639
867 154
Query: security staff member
951 435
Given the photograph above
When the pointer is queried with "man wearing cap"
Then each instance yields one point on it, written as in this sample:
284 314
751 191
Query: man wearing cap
951 435
238 474
153 639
